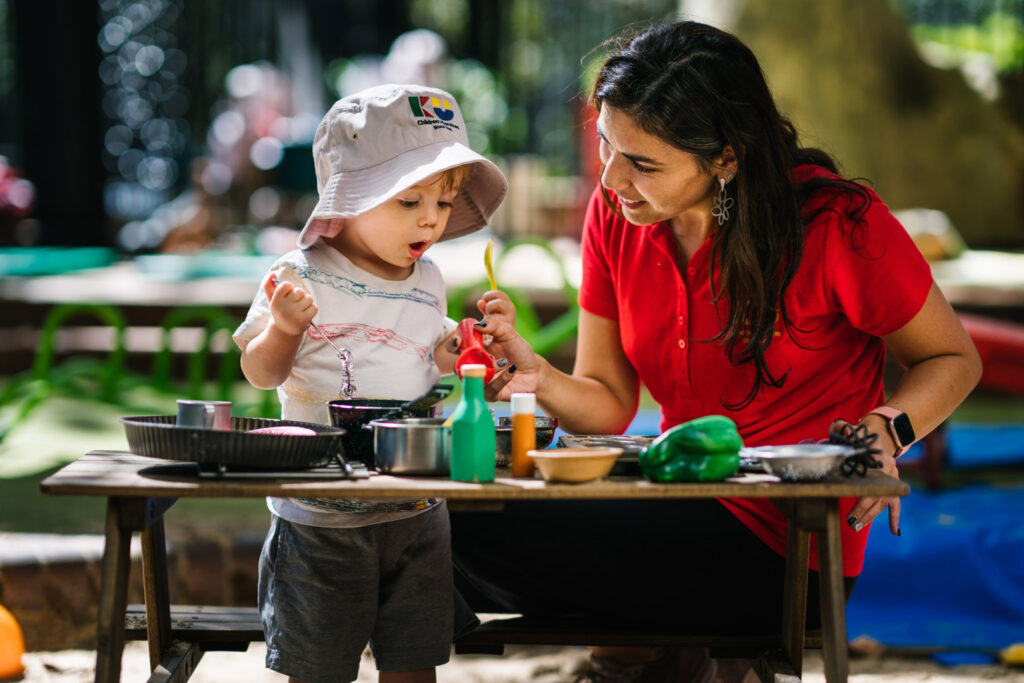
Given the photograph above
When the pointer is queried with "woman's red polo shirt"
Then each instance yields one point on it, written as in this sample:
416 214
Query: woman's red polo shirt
842 299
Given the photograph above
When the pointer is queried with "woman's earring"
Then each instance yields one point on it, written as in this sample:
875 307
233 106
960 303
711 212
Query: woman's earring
722 203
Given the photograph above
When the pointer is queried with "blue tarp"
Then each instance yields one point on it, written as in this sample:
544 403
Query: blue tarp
954 578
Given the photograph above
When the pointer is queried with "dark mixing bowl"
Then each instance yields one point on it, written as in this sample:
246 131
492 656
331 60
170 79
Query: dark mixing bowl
352 414
543 425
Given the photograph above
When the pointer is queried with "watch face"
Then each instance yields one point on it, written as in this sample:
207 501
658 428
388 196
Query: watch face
904 432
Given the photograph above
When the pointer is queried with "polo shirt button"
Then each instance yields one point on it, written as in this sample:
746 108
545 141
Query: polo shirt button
691 270
682 343
682 320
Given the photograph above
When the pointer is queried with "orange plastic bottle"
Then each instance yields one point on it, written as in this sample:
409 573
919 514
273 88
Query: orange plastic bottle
524 433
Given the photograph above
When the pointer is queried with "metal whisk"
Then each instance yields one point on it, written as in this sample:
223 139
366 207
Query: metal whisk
348 386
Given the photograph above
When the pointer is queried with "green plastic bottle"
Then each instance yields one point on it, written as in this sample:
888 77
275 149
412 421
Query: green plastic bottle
472 430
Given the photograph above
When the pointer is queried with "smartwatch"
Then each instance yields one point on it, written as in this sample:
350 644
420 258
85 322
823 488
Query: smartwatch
900 429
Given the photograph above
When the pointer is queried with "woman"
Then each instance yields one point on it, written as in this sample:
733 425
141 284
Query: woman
732 272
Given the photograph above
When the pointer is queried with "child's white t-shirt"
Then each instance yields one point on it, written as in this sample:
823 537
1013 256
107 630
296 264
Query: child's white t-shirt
391 329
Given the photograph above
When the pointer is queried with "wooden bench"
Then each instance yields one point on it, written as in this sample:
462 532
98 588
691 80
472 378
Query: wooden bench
215 628
195 630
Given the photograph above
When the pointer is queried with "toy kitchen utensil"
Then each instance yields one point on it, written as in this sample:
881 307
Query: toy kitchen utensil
472 351
348 385
488 252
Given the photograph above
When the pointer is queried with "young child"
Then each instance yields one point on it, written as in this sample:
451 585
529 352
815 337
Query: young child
395 175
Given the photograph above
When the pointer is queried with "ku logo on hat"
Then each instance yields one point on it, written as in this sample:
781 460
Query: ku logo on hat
429 107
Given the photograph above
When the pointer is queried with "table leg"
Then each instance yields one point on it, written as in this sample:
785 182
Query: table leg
794 595
833 599
113 592
155 589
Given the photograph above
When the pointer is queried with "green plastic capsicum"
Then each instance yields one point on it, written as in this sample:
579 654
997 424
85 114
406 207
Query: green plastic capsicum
705 449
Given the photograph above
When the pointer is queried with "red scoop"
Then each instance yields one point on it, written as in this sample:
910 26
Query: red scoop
471 350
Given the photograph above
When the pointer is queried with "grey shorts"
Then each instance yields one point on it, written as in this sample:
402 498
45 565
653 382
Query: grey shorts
325 593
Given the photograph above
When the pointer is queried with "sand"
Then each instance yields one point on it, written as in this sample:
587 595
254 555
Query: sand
534 664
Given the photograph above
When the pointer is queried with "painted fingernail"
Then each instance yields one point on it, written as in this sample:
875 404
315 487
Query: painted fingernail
899 532
851 520
858 526
502 362
482 323
511 369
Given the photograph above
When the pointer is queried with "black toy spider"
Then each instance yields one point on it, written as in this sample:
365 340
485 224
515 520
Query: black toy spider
864 456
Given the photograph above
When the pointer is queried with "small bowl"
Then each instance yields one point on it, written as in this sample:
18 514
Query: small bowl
575 465
799 462
544 427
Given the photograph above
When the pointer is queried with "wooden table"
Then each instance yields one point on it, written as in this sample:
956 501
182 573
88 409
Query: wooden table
139 490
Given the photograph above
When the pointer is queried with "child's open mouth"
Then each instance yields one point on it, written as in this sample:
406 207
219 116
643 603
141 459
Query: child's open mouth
416 249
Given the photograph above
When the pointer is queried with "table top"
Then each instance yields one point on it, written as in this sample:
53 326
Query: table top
116 473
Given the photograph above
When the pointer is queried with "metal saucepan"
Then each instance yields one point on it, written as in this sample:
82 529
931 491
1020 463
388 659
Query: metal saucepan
412 445
354 414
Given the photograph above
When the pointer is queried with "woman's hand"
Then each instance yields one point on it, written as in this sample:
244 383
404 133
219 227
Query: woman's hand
493 303
866 509
522 372
291 307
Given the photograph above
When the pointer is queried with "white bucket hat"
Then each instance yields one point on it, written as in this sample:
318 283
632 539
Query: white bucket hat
372 145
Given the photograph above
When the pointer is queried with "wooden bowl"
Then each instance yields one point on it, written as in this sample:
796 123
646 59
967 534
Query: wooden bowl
575 465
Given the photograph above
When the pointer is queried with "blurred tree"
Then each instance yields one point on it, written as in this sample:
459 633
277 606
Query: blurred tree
984 39
854 83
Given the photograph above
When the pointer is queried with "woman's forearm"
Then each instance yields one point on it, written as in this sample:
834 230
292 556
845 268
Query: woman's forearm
929 391
583 405
942 367
599 397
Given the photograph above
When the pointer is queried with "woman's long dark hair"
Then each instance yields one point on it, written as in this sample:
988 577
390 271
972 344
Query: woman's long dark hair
700 89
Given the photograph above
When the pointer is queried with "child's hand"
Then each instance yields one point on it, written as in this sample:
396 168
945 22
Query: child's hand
496 304
291 307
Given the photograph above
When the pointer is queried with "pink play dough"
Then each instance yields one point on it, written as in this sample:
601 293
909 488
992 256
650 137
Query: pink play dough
284 430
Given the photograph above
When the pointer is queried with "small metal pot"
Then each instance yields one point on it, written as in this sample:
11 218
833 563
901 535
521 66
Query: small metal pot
354 415
411 445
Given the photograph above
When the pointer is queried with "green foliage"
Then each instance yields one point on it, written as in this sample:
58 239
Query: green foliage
110 382
999 35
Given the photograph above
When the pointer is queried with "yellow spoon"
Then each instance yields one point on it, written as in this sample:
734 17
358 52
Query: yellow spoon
487 263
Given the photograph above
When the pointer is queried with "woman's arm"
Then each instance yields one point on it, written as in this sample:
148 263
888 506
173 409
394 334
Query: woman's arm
601 395
942 368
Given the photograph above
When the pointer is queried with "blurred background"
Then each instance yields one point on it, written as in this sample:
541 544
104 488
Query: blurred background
171 125
155 158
